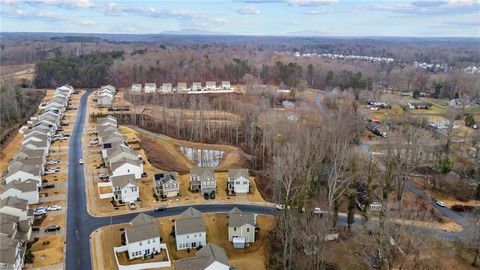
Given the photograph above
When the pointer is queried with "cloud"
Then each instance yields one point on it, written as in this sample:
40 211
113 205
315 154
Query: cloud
62 3
432 8
247 10
260 1
310 3
317 11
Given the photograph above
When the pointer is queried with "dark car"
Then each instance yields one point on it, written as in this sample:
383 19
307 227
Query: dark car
52 228
160 208
48 186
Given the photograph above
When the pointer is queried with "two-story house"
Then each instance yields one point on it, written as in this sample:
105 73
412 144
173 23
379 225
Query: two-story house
241 226
127 166
125 189
203 179
190 230
166 184
238 181
142 237
27 190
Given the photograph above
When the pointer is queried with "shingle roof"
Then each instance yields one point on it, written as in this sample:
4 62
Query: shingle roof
19 166
235 173
143 228
8 224
34 162
203 172
166 176
237 218
122 161
112 152
191 221
209 254
27 186
26 153
8 250
15 203
123 180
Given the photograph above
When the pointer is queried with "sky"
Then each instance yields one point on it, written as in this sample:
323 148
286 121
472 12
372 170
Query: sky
429 18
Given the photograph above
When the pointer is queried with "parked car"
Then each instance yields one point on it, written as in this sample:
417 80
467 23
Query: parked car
160 208
54 207
132 206
440 203
80 161
93 142
53 161
318 211
46 186
40 211
52 228
279 206
104 176
47 172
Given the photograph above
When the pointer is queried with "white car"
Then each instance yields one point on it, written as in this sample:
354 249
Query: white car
54 207
279 206
53 162
80 161
440 203
40 211
318 211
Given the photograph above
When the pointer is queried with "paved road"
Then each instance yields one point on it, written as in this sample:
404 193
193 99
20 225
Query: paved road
80 224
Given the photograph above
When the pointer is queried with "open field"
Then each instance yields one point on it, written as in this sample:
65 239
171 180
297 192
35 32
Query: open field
48 250
104 239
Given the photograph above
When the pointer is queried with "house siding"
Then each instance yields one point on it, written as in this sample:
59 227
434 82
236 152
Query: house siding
142 248
247 231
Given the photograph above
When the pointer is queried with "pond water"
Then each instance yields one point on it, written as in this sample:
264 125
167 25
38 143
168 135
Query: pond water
203 157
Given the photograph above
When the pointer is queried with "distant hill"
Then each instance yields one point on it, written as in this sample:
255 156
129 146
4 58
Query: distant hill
194 32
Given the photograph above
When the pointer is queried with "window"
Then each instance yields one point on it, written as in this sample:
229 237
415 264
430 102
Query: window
148 241
140 243
195 235
234 229
237 182
245 182
248 229
153 240
188 236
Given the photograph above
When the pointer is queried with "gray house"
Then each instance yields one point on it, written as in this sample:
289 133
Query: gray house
190 230
209 257
203 179
166 184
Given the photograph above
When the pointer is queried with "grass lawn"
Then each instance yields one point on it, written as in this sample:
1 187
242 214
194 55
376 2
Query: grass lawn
48 250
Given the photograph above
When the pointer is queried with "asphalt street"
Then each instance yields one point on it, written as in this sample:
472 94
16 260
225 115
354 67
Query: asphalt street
80 224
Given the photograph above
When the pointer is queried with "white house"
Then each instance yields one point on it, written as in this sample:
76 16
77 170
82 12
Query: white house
190 230
196 86
27 190
104 99
182 87
125 189
226 85
15 207
166 87
238 181
127 166
22 172
142 237
37 163
150 88
136 87
209 257
210 85
241 225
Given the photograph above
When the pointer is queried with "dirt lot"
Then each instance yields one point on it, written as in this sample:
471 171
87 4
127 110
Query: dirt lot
53 219
9 151
48 251
104 239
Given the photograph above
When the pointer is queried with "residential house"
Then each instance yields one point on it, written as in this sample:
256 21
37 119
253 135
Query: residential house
196 86
36 137
40 145
136 87
241 225
150 88
25 154
127 166
27 190
23 172
166 87
226 85
104 99
110 143
125 189
106 119
182 87
16 207
166 184
203 179
457 103
116 153
210 85
34 162
142 237
238 181
110 88
11 253
190 230
13 227
209 257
